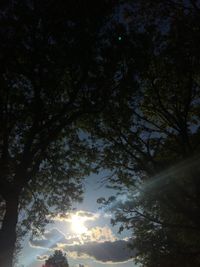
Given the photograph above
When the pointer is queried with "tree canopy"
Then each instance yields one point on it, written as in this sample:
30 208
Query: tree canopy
58 259
151 146
72 76
53 77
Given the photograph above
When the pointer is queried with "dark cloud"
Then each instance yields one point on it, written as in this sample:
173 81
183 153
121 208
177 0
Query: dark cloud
116 251
107 251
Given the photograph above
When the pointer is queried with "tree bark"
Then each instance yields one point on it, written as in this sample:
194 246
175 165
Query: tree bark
8 233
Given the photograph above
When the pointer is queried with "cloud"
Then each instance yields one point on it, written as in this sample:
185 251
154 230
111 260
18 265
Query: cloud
39 243
54 234
116 251
86 215
70 240
49 239
42 257
98 243
55 238
90 216
100 234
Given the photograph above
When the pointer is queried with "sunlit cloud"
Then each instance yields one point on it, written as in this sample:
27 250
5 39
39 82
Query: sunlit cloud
90 216
77 224
101 234
77 221
42 257
56 239
97 243
84 215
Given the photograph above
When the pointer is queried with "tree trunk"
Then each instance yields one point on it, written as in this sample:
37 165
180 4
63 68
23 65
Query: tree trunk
8 233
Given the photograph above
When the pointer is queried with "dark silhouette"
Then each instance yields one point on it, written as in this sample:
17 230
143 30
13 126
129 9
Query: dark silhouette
152 142
58 259
52 79
84 88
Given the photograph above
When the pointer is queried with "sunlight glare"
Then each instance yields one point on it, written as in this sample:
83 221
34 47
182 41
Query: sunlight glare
77 224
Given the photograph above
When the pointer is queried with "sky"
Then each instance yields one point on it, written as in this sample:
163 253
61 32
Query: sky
85 234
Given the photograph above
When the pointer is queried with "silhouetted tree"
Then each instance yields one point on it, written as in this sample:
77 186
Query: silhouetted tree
53 77
151 145
58 259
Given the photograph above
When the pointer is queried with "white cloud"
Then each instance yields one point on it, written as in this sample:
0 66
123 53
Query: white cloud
100 234
85 215
42 257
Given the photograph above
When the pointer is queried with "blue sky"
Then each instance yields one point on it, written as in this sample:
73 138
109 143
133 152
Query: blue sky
86 235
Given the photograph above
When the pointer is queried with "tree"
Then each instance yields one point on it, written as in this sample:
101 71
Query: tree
52 78
151 146
58 259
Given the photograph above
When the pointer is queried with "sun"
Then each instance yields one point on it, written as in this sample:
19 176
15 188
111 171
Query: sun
77 225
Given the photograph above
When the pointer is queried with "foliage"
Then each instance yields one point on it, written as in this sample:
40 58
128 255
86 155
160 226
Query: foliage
53 78
151 146
58 259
